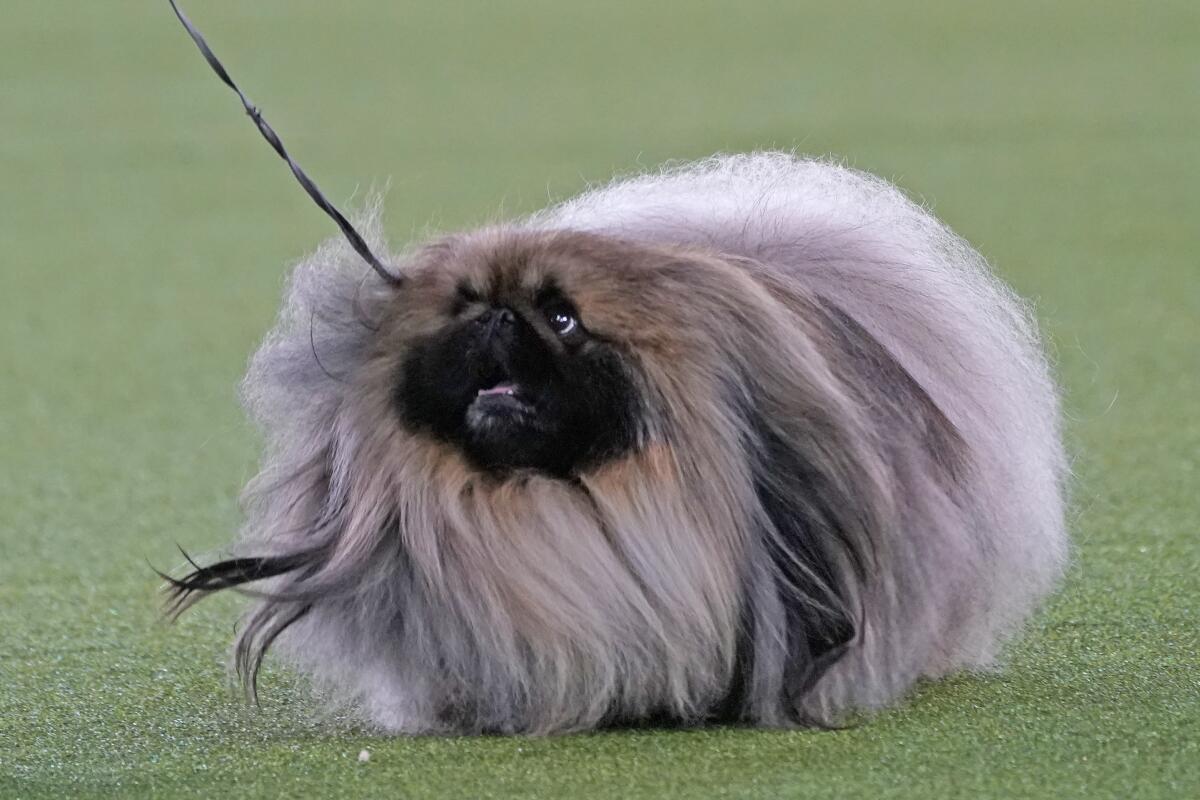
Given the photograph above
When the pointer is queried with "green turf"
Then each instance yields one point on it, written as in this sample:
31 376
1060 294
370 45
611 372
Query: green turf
144 232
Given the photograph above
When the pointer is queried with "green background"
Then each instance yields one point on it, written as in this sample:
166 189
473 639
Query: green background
144 235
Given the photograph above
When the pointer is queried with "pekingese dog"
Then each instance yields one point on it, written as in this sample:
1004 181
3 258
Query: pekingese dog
755 439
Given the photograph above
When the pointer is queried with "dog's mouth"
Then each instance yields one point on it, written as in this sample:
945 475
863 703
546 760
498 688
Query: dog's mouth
503 399
505 394
506 423
507 406
505 388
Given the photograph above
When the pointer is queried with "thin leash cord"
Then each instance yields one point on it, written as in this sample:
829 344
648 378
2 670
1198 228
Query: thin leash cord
353 236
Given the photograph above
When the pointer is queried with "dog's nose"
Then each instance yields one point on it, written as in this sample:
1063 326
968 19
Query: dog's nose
503 316
497 323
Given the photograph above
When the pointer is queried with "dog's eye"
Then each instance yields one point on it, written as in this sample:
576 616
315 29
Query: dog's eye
562 321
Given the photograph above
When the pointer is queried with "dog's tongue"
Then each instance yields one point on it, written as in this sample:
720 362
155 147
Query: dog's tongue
499 388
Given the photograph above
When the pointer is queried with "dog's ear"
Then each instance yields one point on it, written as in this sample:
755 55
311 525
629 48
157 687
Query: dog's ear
816 481
816 555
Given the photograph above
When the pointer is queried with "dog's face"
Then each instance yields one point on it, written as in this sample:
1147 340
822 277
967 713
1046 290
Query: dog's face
510 354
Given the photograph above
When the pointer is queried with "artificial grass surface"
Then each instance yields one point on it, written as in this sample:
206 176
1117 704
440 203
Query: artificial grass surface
146 229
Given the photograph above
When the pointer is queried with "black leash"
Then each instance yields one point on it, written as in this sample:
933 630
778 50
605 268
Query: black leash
353 236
